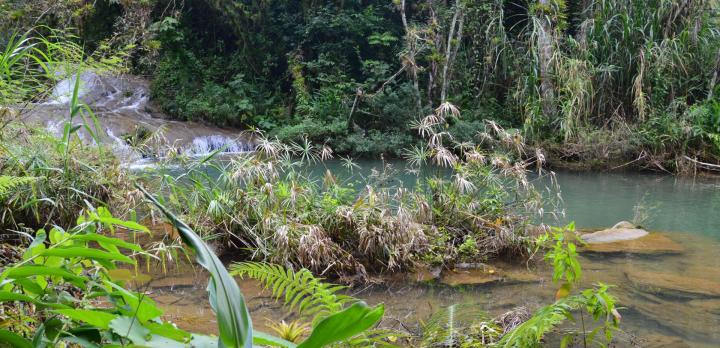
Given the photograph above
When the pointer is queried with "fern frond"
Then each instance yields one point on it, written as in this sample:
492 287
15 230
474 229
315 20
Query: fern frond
9 183
531 332
300 291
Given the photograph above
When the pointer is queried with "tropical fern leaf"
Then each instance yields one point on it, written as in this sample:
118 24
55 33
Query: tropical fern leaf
302 292
531 332
9 183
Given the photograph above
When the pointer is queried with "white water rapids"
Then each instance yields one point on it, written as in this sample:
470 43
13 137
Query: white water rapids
122 107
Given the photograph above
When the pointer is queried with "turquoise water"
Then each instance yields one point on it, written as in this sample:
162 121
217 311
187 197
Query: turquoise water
674 204
594 199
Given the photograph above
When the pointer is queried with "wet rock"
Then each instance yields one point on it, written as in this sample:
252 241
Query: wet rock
625 224
679 319
487 275
674 283
426 274
657 340
622 231
635 241
470 265
712 305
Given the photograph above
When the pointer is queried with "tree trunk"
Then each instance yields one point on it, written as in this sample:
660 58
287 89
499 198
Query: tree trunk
451 52
545 58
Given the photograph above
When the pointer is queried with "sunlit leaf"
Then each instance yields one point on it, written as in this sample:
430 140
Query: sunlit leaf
344 324
89 253
95 318
14 340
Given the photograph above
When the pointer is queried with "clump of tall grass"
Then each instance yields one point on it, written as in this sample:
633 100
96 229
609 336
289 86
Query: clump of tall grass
267 205
62 183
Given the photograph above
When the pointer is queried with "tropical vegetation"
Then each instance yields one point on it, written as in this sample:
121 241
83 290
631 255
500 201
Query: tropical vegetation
477 97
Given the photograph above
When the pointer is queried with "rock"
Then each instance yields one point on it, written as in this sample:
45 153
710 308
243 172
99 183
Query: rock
677 319
657 340
470 277
426 274
651 243
487 275
615 234
624 224
626 237
711 305
678 284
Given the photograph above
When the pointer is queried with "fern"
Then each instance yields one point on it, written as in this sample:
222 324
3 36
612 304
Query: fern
310 298
10 183
302 292
531 332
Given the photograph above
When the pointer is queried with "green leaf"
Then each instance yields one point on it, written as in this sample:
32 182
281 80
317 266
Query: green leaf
40 237
157 341
6 296
14 340
107 240
203 341
94 254
95 318
130 328
142 307
345 324
263 339
103 215
33 270
234 321
168 330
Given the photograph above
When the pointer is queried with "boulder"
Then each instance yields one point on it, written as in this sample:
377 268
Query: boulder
628 238
625 224
652 243
620 232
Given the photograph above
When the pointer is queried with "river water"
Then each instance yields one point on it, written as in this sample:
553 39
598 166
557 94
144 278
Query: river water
668 299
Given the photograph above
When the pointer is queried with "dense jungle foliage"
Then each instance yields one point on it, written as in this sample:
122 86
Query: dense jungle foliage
595 81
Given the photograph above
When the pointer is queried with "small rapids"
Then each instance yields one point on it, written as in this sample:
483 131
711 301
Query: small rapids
123 110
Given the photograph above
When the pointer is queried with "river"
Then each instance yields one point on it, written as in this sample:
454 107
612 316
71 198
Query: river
667 299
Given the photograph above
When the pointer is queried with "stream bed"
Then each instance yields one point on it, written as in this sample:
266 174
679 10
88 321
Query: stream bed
667 299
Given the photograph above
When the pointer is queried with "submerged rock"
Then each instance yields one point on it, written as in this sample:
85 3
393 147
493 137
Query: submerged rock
676 318
487 275
657 340
674 283
625 237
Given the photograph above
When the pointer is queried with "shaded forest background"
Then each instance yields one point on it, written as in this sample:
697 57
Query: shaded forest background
591 81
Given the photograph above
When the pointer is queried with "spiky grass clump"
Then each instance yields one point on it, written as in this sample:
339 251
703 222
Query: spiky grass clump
266 203
63 184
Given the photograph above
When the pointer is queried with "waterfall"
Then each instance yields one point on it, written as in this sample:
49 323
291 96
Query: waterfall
122 106
121 148
205 145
